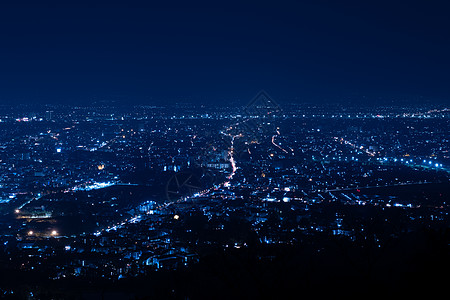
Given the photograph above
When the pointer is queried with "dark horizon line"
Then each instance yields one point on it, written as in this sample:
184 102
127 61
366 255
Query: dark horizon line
164 104
360 100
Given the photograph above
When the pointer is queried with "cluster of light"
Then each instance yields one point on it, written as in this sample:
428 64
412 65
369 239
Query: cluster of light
94 186
52 233
408 161
25 119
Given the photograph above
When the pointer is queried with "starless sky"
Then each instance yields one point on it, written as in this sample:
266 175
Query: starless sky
69 51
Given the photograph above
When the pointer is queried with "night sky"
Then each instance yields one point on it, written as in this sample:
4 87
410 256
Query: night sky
185 51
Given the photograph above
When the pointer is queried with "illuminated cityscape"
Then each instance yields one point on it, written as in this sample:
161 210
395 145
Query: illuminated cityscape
121 193
224 149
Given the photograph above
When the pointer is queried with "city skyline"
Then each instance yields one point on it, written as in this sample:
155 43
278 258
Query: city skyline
114 200
224 150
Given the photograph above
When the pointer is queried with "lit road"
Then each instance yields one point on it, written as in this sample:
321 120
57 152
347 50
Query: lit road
232 161
276 145
377 186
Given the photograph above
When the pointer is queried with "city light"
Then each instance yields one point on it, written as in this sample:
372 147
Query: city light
135 162
151 201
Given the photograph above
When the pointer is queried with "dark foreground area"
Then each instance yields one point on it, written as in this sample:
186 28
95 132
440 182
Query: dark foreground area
411 263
